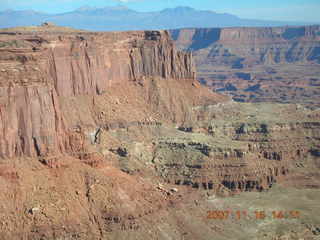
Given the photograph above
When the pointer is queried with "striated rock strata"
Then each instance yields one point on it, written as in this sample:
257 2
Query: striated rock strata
252 45
109 134
274 64
39 72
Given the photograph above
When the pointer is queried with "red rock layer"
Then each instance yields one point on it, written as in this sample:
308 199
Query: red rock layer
255 45
30 122
38 71
91 63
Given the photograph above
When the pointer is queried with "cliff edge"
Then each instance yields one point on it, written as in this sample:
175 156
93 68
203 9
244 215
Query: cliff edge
41 71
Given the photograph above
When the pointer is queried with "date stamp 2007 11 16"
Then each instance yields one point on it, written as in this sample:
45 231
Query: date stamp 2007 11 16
258 215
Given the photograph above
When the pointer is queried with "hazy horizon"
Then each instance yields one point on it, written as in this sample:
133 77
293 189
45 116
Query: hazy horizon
286 10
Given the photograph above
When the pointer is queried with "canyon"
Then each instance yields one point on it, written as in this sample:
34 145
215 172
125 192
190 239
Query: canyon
267 64
111 136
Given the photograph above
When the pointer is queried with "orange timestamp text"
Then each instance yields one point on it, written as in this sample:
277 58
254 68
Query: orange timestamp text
258 215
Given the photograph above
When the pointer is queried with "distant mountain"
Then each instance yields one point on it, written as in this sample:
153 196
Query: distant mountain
123 18
11 18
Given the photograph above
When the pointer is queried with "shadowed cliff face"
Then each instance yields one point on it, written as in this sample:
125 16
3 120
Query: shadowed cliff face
195 39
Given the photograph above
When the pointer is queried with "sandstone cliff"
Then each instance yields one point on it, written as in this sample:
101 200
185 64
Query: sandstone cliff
42 70
31 122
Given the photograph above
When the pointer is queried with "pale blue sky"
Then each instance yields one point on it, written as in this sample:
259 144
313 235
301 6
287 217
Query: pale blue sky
292 10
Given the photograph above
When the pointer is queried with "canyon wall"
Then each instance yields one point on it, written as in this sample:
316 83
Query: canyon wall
74 93
31 122
106 134
42 71
267 64
87 63
87 66
252 45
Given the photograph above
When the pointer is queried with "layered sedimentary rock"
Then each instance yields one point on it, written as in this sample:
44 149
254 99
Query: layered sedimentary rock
254 45
74 93
90 66
88 63
39 71
31 122
278 64
106 134
240 147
